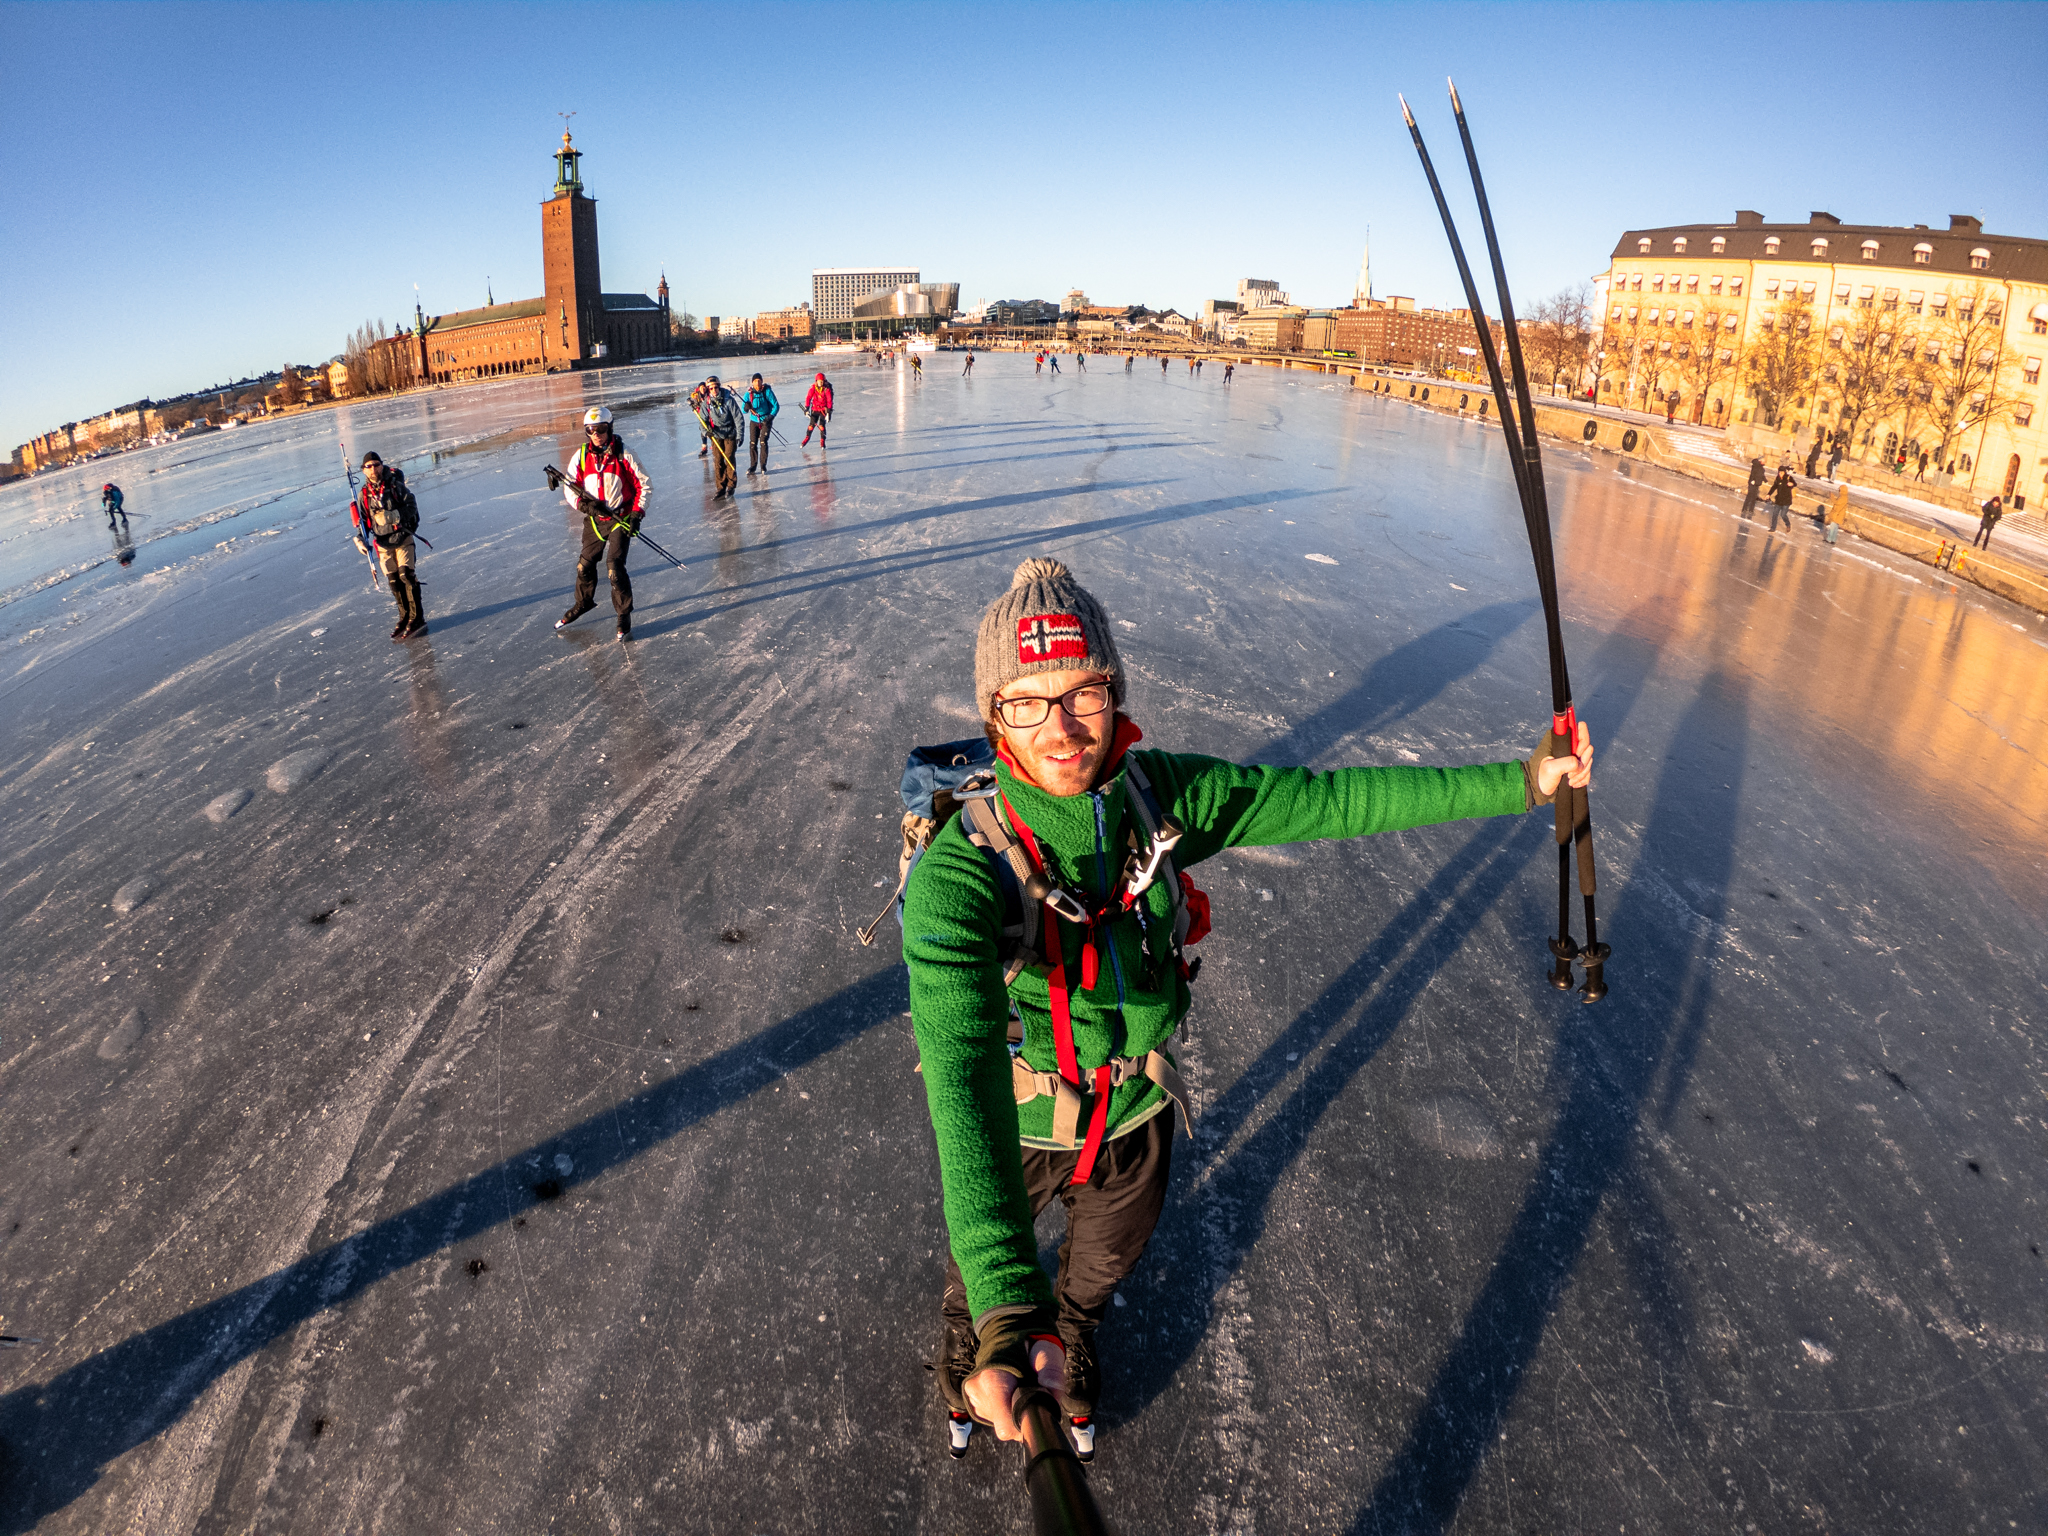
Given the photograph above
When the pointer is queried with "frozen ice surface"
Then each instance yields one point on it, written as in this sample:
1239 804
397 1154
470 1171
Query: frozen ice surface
1761 1245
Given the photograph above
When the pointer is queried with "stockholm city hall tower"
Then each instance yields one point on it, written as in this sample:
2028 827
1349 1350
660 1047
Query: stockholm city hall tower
568 253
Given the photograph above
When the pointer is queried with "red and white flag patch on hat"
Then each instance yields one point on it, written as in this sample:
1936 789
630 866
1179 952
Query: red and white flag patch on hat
1050 637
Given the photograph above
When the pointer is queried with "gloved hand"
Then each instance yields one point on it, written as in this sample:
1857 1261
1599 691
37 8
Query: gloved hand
1013 1346
361 547
1547 766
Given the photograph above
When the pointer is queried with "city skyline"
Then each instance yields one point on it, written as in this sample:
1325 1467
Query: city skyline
216 232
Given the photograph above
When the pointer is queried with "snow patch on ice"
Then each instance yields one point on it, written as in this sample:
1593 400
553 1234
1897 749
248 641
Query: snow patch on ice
958 709
298 770
134 893
122 1038
1819 1354
1320 559
223 806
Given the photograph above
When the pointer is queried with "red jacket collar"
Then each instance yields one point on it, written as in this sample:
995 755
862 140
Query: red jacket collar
1126 736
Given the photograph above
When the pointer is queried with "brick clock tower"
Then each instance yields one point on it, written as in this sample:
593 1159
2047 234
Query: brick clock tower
568 244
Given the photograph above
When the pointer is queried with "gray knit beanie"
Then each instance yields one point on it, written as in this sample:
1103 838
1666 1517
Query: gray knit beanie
1046 622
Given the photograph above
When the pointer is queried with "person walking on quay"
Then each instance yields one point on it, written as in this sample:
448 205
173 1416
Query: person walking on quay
1991 511
964 372
110 503
1756 484
387 515
1086 1112
1781 498
722 417
762 408
605 471
818 409
1921 472
1836 453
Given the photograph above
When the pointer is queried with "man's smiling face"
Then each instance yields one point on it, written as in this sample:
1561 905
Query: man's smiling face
1064 751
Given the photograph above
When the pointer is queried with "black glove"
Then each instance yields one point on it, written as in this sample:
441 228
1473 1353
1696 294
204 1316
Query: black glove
1546 746
1004 1339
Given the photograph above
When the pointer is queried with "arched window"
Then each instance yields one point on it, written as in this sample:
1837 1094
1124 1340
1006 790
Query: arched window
1923 253
1980 259
1643 245
1719 244
1771 246
1870 250
1820 247
1678 243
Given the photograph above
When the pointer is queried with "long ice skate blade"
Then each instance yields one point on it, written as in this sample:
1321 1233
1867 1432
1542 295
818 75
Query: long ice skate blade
1083 1431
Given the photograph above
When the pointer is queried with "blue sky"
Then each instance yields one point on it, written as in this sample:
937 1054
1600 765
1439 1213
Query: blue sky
202 192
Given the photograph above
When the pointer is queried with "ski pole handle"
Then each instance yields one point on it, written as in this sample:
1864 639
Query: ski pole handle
1061 1503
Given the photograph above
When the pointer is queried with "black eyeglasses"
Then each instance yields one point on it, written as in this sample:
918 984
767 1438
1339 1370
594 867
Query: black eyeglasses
1082 702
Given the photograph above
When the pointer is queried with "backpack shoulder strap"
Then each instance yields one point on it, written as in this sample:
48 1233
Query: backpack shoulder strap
987 830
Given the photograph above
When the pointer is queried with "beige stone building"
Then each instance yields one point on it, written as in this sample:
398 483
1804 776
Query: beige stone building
1916 340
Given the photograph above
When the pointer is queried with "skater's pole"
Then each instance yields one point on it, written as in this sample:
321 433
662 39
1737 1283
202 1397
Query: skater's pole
1574 820
355 513
1061 1503
592 508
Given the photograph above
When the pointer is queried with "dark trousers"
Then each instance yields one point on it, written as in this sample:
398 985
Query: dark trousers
757 444
1984 533
1109 1222
614 551
725 459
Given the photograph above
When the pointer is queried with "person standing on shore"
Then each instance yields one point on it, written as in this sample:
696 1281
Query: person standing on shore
1991 512
818 407
387 513
1835 454
605 471
762 408
1085 1111
110 503
722 416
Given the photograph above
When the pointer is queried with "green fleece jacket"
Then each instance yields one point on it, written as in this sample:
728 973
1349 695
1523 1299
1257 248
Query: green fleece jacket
953 916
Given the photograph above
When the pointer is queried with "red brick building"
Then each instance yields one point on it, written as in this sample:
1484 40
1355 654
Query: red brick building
574 324
1409 338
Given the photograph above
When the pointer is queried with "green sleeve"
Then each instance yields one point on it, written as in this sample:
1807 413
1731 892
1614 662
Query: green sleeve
1229 805
952 916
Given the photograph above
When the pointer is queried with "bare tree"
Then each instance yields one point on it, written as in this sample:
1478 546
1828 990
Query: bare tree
1706 361
1556 335
1869 369
1778 365
1964 369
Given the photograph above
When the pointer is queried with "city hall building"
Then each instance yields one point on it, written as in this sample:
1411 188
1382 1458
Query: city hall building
1670 293
574 324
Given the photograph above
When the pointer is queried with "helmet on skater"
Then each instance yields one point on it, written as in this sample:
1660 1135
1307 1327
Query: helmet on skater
596 416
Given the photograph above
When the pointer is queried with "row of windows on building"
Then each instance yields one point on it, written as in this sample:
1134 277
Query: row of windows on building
1692 283
1923 253
1865 296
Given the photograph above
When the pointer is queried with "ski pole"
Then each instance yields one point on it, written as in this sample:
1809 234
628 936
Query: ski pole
1061 1503
592 508
1574 820
355 513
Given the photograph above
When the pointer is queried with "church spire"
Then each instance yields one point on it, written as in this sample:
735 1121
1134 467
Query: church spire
1362 298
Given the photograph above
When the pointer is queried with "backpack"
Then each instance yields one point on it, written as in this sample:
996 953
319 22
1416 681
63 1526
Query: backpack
958 778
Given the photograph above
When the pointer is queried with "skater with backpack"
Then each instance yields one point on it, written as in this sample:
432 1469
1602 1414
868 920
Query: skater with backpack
1046 926
110 503
387 516
604 471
